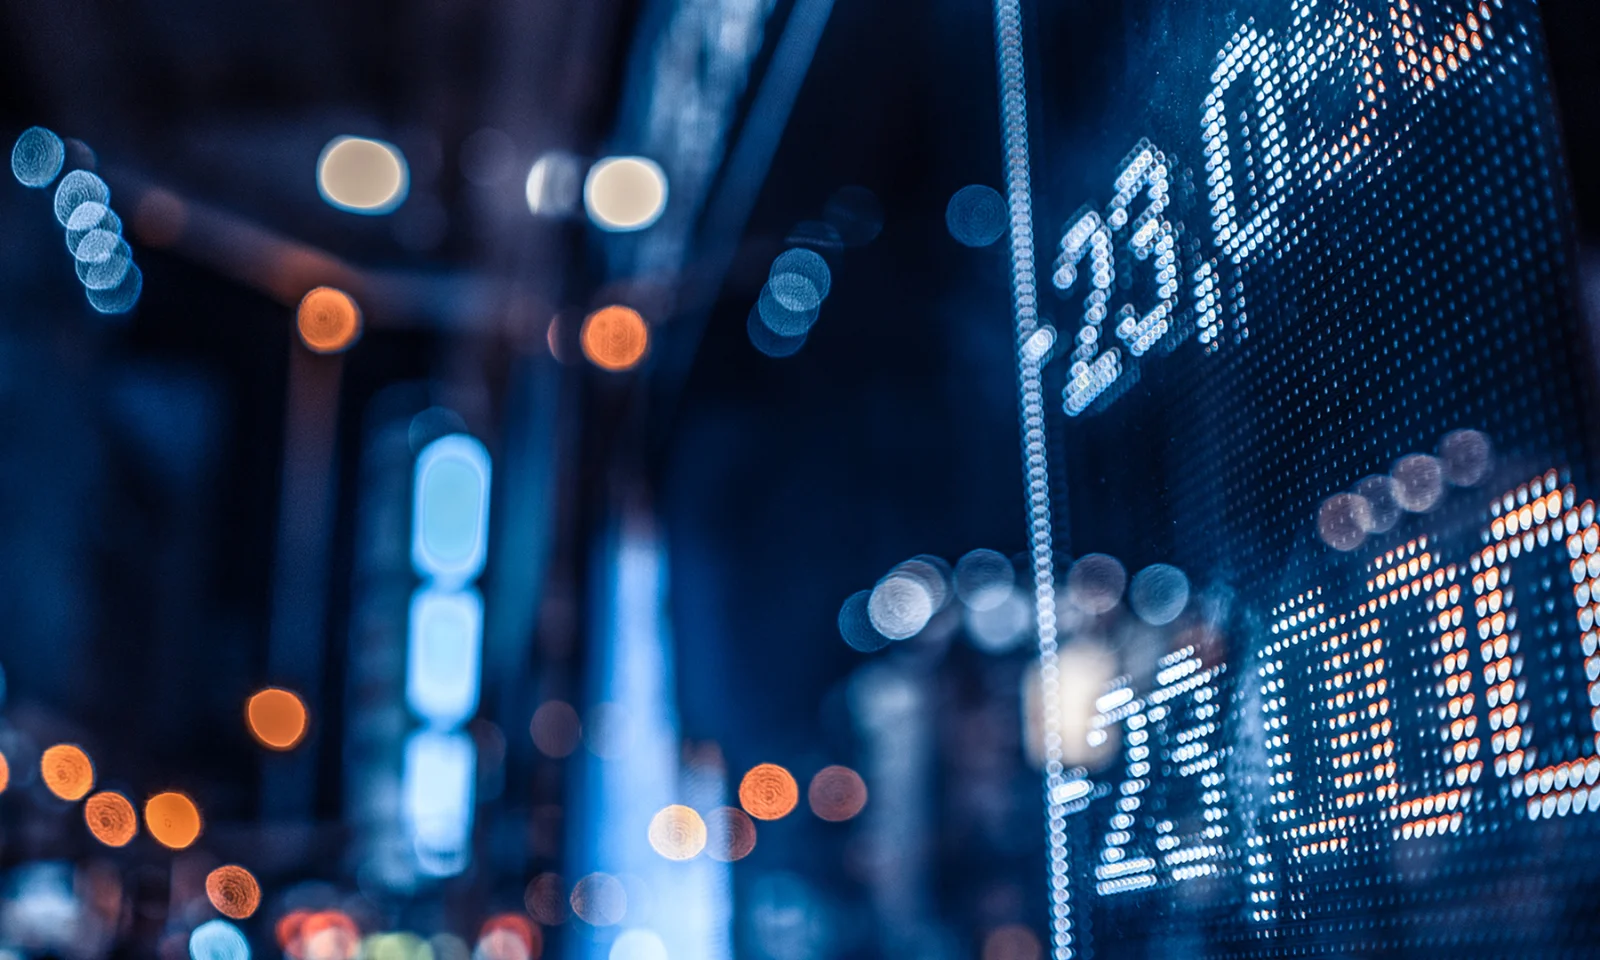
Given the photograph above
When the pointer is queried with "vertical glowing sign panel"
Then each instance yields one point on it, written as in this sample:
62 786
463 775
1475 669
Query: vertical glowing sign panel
437 788
450 510
444 649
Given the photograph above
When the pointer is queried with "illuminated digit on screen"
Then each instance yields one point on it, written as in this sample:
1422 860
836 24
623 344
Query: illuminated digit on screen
1153 833
1272 137
1096 367
1540 514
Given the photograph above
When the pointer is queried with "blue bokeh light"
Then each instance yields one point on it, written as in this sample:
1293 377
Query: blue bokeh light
855 624
444 647
76 189
807 264
37 157
976 215
218 940
103 260
780 319
122 297
769 343
89 217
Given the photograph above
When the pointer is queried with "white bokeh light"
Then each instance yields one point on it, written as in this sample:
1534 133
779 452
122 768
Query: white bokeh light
362 176
638 944
625 193
900 606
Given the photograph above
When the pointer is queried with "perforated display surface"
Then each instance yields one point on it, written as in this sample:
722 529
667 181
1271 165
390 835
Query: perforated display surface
1318 346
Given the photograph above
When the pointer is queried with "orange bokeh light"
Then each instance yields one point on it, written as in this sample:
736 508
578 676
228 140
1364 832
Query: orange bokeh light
836 794
287 930
768 792
5 773
614 338
172 819
67 771
111 819
277 718
329 320
233 890
731 834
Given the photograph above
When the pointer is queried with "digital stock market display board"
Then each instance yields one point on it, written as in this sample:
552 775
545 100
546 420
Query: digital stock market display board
1298 325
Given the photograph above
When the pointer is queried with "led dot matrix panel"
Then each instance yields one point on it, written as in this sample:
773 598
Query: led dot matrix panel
1316 342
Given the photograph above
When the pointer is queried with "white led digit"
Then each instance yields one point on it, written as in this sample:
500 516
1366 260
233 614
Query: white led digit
1173 745
1151 236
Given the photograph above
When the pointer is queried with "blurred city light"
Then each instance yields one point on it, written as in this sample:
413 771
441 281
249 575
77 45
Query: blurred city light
553 185
67 771
677 833
625 193
438 777
768 792
103 259
855 623
89 218
983 579
546 899
900 606
614 338
1012 942
1003 626
1467 457
233 890
1419 482
509 936
362 176
765 340
5 773
111 819
1095 583
638 944
556 729
329 321
218 940
450 509
730 834
976 216
599 900
77 188
445 640
808 266
837 794
122 297
172 819
1159 593
277 718
37 157
1084 670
